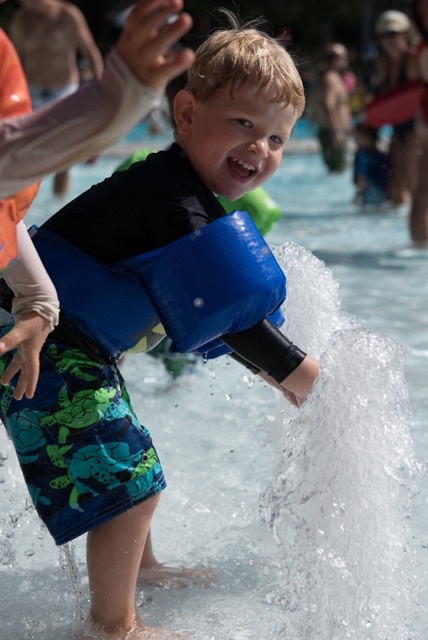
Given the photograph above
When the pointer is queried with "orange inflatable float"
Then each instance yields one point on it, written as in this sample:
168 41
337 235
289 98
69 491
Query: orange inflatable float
14 101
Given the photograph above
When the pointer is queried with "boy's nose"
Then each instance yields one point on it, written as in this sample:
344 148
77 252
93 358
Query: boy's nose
259 146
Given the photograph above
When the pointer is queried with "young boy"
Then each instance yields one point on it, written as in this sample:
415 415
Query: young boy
148 250
371 167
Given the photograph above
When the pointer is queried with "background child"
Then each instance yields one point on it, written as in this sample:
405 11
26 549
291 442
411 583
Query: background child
371 167
136 237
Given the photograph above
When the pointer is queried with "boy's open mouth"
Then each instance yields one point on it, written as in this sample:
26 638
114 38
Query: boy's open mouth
242 168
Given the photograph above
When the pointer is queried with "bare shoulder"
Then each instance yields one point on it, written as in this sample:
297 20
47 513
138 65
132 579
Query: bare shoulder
423 64
327 78
333 79
19 17
413 66
73 12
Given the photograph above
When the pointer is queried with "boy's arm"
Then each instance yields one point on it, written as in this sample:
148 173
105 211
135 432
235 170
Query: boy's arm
291 397
269 351
94 117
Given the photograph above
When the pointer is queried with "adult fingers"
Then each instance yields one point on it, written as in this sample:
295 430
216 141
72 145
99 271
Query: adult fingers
148 16
173 66
28 376
168 34
146 41
10 340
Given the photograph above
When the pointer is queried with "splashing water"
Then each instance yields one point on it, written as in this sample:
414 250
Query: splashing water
338 503
336 500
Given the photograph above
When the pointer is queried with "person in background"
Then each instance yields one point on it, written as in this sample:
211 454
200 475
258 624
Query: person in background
396 65
371 167
49 36
68 131
329 106
418 217
96 469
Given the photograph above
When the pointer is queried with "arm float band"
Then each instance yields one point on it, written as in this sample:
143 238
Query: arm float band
112 308
220 279
14 101
395 105
217 348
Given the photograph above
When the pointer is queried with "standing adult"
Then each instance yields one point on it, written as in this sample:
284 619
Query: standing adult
49 35
330 106
396 66
418 218
65 132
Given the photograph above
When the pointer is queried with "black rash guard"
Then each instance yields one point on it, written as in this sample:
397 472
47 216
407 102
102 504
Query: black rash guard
153 203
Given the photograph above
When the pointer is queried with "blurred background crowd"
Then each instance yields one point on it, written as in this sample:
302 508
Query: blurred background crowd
349 55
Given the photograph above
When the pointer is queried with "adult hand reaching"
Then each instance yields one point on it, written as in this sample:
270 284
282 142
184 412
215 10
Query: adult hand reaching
27 337
152 28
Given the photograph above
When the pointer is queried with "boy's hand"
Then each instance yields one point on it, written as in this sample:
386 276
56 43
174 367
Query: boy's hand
146 40
27 337
291 397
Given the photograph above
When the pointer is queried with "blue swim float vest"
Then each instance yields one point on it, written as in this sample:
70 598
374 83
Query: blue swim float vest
222 278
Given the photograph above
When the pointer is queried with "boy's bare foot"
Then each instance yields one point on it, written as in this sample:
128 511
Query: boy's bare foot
94 632
178 577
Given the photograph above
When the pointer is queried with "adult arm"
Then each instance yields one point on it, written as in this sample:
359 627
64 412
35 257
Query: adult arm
35 308
94 117
86 43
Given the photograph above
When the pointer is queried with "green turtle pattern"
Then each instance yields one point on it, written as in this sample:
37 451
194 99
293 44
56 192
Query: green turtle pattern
84 454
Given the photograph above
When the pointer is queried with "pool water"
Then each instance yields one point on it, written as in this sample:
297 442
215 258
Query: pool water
316 520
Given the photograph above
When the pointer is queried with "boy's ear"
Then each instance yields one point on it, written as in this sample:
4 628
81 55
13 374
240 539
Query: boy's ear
184 106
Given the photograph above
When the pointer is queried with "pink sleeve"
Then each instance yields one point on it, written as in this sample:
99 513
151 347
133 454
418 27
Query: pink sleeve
73 129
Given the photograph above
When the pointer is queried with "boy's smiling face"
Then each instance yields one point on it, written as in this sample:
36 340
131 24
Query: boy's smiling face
234 143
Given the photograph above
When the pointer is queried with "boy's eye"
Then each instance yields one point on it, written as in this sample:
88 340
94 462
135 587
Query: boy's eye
277 140
244 122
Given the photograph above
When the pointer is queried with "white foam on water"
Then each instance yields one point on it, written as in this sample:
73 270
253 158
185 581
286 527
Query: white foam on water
338 505
332 557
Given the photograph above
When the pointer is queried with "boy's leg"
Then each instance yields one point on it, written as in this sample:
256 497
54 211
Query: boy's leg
114 552
61 183
158 574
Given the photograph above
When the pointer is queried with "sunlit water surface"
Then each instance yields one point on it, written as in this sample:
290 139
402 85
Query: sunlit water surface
316 520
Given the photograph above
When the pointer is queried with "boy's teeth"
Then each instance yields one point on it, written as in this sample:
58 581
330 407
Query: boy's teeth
244 164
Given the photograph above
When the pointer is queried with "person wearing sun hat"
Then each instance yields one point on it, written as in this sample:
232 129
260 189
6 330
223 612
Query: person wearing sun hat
397 66
418 214
392 22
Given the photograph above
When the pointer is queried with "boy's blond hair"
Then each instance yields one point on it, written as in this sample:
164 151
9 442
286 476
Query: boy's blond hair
230 57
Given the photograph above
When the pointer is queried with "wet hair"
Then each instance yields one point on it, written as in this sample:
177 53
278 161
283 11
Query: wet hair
230 57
